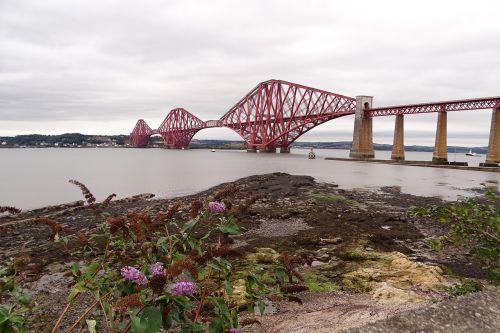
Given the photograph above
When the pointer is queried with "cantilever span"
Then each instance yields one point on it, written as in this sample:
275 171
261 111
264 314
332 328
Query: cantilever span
276 113
273 114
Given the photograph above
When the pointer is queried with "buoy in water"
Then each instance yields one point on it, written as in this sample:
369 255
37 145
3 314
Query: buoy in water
312 155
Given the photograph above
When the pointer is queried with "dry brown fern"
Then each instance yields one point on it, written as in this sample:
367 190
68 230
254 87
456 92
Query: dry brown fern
59 229
293 298
298 276
55 227
130 301
243 206
293 288
228 203
81 238
172 210
249 321
183 264
116 223
289 262
223 250
157 282
89 197
137 222
103 205
225 192
196 206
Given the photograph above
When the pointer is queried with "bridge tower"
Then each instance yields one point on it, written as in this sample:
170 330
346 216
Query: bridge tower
362 140
440 148
398 146
493 155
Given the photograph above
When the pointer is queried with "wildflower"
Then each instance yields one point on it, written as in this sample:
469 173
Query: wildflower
235 330
157 268
216 207
183 288
133 274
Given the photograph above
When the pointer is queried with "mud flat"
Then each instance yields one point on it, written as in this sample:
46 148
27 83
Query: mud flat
363 258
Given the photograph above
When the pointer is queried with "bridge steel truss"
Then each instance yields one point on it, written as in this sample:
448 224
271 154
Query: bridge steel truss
141 133
179 127
275 113
460 105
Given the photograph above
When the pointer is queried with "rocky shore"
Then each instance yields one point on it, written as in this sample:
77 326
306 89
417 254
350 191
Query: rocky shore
364 258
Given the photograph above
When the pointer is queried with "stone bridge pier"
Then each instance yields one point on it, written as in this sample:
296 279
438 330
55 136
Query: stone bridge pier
362 143
398 145
440 154
362 140
493 155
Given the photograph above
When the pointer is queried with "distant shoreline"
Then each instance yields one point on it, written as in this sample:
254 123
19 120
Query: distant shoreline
424 149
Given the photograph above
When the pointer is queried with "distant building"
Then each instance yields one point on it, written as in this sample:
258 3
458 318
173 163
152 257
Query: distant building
100 138
4 143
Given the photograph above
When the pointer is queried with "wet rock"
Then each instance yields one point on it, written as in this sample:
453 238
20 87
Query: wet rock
386 272
239 296
385 292
316 263
334 241
51 283
56 267
263 255
323 257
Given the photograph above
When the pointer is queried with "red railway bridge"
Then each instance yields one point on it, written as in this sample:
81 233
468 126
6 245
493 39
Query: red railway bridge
276 113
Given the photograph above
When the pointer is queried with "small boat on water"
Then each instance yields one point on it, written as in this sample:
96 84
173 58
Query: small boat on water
213 150
470 153
312 155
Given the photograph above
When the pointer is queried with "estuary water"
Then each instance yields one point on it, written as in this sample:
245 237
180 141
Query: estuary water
33 178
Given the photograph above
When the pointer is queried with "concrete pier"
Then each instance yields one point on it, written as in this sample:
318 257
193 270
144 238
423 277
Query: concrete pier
362 140
398 147
440 148
251 149
267 150
284 150
493 155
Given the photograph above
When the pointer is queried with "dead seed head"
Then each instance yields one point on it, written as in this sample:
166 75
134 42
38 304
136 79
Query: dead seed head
130 301
227 191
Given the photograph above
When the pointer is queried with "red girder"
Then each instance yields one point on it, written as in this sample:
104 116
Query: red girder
276 113
179 127
461 105
141 133
211 123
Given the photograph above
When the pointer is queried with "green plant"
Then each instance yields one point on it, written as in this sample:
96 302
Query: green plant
334 198
472 224
436 244
163 271
16 303
465 288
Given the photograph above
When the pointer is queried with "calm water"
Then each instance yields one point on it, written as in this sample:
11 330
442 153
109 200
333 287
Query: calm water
31 178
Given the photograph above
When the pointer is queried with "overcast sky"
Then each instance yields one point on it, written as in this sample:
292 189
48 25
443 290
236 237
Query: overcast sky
97 66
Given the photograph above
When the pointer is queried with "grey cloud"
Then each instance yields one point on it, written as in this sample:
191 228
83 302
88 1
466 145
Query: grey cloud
117 61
